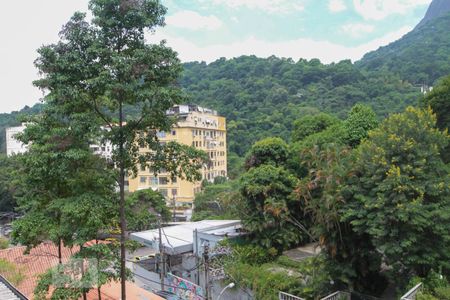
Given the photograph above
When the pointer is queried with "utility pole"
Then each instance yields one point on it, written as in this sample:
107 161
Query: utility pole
162 269
206 260
174 208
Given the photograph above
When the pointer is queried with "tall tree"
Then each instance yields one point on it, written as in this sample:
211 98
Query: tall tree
271 150
268 208
439 101
402 196
68 192
104 66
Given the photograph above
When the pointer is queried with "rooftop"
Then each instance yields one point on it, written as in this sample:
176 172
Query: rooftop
188 108
180 238
38 261
8 292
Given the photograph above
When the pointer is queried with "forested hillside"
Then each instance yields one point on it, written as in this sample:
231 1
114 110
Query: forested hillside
421 56
263 97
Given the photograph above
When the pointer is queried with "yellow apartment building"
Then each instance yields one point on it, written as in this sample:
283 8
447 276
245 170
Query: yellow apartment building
201 128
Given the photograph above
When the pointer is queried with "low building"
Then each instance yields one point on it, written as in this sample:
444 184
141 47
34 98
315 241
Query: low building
183 247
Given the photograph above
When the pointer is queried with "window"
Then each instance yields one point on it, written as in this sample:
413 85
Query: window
142 168
163 192
153 180
161 134
174 192
174 132
174 180
143 179
163 180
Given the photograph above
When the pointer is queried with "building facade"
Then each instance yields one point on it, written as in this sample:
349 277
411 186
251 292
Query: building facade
14 146
201 128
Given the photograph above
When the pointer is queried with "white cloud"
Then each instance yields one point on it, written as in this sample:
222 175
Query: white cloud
380 9
327 52
336 6
192 20
269 6
357 29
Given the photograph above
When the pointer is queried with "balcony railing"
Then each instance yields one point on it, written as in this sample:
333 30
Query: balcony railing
286 296
338 296
412 293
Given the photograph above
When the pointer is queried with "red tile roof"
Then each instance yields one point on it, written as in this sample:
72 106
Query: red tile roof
38 261
112 291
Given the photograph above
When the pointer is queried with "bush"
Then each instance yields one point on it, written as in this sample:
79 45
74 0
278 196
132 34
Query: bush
4 243
443 293
254 255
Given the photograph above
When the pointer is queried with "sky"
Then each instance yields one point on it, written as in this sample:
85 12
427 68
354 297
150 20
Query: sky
205 30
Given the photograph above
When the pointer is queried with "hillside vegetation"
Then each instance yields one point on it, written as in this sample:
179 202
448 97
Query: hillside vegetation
263 97
421 56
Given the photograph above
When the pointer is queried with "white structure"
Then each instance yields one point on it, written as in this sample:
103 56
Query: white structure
189 237
13 146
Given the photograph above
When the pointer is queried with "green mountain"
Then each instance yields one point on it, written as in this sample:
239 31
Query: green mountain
423 55
263 97
436 9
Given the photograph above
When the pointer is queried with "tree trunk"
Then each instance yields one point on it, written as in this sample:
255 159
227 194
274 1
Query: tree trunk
123 224
60 252
99 292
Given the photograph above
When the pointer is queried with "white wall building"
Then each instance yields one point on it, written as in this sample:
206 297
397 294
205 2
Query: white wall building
13 146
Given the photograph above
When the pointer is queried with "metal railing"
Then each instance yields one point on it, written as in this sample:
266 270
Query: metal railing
412 293
286 296
338 296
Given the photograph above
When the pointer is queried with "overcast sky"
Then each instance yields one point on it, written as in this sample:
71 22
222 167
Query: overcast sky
330 30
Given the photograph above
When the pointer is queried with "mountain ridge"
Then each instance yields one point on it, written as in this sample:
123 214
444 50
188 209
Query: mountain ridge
436 9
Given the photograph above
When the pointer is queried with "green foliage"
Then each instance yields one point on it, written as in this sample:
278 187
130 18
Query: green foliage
434 286
352 258
402 192
217 201
9 185
309 125
360 121
439 101
307 279
421 56
142 208
253 254
4 243
11 272
273 151
268 207
14 119
262 97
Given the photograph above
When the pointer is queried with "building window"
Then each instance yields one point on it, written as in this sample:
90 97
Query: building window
163 180
143 179
153 180
163 192
142 168
174 132
174 180
174 192
161 134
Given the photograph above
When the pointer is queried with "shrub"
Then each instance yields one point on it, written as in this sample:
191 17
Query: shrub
4 243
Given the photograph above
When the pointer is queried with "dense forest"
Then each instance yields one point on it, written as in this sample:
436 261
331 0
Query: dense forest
263 97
